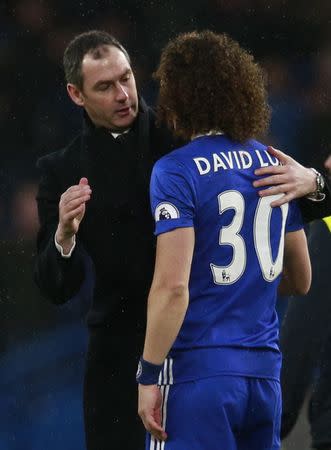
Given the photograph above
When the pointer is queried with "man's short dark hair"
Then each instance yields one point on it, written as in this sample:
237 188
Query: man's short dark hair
82 44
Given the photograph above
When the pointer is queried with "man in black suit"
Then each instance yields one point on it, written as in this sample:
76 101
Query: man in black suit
94 207
94 212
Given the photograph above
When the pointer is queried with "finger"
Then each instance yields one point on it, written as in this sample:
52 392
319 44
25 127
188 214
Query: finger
73 195
83 184
74 213
271 180
74 188
83 181
270 170
157 431
281 201
151 423
153 427
159 436
274 190
65 208
73 204
283 158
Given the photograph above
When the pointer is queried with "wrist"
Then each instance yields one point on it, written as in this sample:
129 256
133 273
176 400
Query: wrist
148 373
312 184
63 238
65 244
317 193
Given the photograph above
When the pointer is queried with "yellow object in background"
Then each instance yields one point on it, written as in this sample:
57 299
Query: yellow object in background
327 220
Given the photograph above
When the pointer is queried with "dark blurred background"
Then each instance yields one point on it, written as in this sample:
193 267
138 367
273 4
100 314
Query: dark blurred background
42 347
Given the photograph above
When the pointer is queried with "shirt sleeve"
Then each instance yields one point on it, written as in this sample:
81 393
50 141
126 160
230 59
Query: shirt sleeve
294 220
172 196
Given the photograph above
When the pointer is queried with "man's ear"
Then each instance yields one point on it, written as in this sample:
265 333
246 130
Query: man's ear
75 94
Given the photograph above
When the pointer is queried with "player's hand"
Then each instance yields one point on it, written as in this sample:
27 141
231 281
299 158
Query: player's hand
149 410
290 178
72 207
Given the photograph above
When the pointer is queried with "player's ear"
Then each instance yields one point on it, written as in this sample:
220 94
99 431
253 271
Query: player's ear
75 94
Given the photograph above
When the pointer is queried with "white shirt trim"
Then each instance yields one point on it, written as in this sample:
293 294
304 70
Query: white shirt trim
60 248
115 135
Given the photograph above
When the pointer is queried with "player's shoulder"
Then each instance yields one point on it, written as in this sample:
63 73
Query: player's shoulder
174 160
253 144
60 158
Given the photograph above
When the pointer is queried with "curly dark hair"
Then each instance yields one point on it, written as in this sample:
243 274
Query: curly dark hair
208 82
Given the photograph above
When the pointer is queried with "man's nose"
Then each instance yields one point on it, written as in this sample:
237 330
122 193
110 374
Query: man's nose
121 93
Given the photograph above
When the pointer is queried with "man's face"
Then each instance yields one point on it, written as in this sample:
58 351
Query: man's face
109 93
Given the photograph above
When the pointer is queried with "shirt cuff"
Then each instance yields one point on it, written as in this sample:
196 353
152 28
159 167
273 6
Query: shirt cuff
60 248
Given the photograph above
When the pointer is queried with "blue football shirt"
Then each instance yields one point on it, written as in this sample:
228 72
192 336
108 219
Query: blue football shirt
231 324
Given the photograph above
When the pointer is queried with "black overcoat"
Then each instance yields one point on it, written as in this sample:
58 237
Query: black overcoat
116 232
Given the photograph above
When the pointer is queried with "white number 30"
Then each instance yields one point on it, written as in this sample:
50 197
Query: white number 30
229 235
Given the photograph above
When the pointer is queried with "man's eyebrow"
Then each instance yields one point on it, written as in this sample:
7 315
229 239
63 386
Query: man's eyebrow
127 72
100 82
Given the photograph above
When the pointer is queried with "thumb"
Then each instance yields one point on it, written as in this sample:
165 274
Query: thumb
282 157
83 181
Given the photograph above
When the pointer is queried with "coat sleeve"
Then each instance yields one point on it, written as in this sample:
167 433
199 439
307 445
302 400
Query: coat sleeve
317 210
58 278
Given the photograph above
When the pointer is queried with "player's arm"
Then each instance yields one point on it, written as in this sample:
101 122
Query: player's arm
167 304
168 297
296 276
295 181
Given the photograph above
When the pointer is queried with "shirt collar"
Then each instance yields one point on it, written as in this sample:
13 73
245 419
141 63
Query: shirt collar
115 135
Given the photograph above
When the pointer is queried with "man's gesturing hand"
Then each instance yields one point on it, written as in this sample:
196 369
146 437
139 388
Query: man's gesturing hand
149 410
291 178
71 212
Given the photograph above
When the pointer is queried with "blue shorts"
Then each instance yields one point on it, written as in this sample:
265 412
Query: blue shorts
221 413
